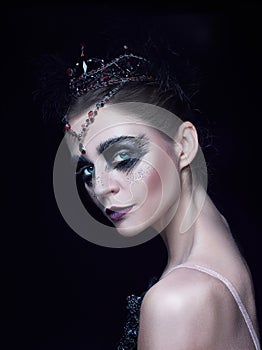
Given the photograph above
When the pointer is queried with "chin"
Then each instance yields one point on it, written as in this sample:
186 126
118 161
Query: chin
130 231
127 228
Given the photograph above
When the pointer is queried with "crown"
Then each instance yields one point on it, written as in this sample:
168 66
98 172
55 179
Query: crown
93 73
117 72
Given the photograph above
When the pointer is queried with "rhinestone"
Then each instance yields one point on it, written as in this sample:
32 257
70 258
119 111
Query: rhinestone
67 127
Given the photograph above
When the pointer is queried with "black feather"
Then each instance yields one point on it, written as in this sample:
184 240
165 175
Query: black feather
51 91
172 70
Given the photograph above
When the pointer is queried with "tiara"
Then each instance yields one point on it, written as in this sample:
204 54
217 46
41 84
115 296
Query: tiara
126 67
122 69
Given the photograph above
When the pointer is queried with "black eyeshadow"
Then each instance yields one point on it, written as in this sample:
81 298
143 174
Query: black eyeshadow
82 164
134 147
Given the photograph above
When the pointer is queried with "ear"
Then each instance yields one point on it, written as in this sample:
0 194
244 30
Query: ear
186 144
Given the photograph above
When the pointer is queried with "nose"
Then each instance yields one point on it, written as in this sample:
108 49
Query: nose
105 183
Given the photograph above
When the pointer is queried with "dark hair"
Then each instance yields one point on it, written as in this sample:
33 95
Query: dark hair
146 92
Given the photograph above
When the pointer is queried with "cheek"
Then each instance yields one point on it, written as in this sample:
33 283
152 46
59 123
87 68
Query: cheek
92 195
154 190
153 183
156 186
163 185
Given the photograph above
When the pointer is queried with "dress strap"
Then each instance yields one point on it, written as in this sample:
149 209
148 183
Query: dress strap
232 290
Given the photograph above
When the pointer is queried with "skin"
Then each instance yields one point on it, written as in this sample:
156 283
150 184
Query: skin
186 309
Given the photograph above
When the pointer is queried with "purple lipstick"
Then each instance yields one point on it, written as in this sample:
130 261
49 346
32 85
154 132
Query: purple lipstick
116 214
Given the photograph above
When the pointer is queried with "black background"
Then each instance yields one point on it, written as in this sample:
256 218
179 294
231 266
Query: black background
67 293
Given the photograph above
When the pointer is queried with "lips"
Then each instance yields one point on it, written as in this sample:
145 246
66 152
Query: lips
116 214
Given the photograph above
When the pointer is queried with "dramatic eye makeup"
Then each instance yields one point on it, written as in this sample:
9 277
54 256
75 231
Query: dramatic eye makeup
85 169
121 153
124 152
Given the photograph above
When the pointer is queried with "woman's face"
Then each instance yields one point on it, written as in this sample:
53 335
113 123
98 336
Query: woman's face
129 170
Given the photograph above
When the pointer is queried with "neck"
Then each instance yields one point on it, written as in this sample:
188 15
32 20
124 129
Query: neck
180 234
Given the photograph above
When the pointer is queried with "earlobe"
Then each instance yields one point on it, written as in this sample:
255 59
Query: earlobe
186 144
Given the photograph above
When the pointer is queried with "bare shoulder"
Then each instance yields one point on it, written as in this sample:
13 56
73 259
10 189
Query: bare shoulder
185 286
185 302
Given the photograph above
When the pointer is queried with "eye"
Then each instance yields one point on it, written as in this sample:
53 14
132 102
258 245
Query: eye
124 155
87 171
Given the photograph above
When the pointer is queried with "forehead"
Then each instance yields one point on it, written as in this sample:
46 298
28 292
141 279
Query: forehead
111 121
108 117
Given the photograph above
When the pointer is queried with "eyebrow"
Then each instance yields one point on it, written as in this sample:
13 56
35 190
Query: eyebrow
102 147
110 142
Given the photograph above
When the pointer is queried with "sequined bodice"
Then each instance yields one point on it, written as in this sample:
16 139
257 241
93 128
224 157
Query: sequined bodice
128 340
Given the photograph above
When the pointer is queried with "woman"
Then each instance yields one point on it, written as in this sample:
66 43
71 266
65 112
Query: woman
143 167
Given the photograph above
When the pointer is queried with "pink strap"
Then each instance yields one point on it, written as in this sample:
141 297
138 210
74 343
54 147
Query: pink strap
233 291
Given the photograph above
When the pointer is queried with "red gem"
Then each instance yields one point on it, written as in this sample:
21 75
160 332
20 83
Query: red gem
83 151
67 127
69 72
106 99
90 113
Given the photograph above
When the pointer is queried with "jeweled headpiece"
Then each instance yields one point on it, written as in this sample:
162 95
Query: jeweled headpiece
125 68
